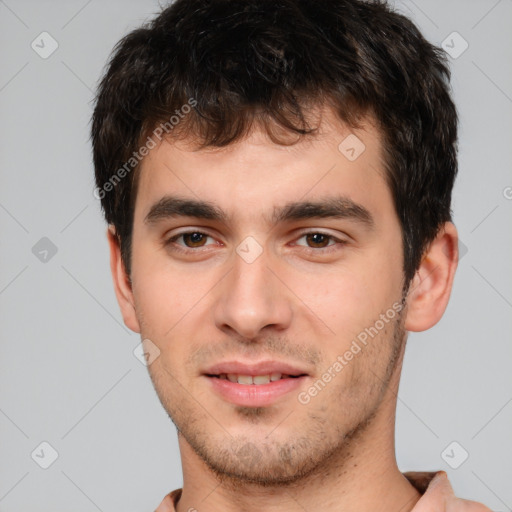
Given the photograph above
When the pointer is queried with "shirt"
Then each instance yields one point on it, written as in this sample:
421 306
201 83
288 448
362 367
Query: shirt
437 495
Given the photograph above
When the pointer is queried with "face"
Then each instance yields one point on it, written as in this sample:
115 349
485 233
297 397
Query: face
269 277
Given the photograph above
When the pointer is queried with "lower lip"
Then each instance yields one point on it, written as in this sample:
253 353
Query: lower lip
255 395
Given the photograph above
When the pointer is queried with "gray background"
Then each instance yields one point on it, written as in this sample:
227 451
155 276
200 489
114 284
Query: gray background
68 375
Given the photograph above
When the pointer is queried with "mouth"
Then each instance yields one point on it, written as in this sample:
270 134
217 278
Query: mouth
255 380
254 385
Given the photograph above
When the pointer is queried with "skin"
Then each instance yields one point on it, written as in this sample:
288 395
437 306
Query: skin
294 303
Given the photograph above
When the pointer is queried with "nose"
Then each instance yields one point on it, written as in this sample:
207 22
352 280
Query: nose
251 298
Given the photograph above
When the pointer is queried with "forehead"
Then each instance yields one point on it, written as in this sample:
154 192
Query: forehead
255 174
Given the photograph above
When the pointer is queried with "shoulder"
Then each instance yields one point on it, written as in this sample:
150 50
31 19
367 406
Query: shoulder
437 494
168 504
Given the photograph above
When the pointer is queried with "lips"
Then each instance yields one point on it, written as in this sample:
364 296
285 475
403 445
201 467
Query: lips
254 384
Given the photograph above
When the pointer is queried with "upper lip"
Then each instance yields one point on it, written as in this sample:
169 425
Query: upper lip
260 368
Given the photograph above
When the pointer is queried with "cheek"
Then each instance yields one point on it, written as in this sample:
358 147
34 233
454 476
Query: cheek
160 296
349 298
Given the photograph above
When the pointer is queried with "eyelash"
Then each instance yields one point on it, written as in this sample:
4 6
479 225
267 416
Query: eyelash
324 250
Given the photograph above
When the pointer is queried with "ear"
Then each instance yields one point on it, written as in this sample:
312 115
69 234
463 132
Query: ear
432 284
122 284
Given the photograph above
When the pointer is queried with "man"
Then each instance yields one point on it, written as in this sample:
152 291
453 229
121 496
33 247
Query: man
277 182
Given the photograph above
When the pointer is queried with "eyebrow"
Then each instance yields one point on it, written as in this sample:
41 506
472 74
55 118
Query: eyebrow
171 207
339 207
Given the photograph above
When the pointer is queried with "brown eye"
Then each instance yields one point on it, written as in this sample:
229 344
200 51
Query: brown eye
194 239
318 240
319 243
188 240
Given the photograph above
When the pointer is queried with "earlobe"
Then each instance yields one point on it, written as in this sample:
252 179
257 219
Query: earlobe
431 287
122 284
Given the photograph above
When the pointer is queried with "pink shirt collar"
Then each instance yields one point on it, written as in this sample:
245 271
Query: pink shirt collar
437 495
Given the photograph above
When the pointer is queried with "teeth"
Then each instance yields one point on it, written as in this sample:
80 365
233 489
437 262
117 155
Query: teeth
245 379
249 379
261 379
